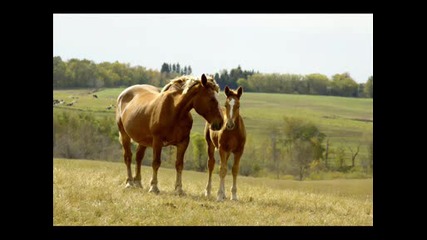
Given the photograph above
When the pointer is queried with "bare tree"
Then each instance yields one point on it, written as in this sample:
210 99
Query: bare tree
327 154
354 153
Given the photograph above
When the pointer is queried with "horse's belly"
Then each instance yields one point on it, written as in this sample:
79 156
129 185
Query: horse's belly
139 133
145 141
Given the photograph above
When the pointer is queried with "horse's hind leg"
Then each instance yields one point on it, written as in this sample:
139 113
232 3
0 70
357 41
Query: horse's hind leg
179 165
235 171
139 156
127 156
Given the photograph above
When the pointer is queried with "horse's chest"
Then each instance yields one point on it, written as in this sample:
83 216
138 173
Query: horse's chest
176 134
229 142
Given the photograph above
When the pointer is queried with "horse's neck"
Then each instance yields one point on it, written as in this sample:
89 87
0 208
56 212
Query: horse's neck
238 121
183 103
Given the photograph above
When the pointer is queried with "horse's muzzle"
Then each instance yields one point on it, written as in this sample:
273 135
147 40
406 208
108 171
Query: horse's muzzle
230 125
217 125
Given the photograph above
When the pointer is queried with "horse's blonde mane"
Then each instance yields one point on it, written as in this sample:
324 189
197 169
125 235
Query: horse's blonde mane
187 82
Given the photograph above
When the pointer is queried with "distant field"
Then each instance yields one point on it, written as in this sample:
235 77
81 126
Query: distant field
343 120
92 193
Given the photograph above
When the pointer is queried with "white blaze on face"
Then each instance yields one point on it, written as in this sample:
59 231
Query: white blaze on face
231 107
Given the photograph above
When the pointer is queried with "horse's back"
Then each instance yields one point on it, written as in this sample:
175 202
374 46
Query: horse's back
143 91
135 90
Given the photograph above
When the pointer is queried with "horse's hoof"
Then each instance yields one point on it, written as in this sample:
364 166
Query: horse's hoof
207 193
154 189
137 184
221 197
234 198
129 185
180 192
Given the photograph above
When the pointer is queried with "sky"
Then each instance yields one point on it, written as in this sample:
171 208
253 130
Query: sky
268 43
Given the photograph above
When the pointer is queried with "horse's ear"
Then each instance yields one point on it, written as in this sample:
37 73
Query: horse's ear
204 80
239 92
227 91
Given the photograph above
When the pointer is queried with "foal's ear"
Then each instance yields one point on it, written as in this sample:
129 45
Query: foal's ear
239 92
204 80
227 91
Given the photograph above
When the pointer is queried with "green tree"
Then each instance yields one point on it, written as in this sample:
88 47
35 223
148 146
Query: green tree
59 70
189 70
304 143
199 151
165 68
344 85
243 83
302 156
178 68
361 90
340 157
317 84
369 87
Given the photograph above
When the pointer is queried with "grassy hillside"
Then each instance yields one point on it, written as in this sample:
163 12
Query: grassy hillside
336 115
92 193
345 121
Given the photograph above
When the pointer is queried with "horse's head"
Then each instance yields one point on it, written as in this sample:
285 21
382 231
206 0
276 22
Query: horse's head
232 105
205 102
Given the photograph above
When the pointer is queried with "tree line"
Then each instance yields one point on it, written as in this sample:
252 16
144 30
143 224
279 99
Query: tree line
76 73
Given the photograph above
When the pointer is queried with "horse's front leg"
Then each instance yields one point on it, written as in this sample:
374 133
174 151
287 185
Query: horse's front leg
222 173
179 165
157 150
235 171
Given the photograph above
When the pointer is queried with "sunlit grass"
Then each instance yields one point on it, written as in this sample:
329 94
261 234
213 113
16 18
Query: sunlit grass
92 193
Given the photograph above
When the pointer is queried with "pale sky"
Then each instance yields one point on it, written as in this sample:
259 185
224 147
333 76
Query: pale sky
268 43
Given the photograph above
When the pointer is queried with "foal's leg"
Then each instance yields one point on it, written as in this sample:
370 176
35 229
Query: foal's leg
140 151
127 156
222 173
235 171
157 150
211 165
179 165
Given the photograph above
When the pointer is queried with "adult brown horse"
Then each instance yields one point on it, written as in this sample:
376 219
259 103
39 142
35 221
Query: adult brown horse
229 139
154 118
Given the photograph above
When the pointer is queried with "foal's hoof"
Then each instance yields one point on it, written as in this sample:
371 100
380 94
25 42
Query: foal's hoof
234 198
137 184
221 197
129 185
154 189
180 192
207 193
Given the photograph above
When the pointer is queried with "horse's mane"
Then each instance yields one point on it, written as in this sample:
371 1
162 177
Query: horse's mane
187 82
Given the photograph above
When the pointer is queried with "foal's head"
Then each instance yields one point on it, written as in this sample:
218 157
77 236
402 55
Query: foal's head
232 105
